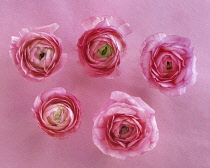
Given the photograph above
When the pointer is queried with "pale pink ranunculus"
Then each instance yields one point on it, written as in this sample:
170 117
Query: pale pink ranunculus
168 63
37 53
125 127
102 46
57 112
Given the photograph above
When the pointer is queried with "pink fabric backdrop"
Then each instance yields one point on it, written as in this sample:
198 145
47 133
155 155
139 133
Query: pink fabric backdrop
184 121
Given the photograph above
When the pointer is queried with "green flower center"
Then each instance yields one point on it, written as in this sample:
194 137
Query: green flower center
105 51
57 115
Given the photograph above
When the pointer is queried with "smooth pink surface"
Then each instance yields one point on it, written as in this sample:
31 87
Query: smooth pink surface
183 121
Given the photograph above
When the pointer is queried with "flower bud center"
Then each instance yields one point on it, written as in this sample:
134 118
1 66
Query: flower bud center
57 115
124 130
105 51
41 55
169 65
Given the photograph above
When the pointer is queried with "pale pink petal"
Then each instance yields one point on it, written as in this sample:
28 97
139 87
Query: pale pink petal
114 21
179 41
52 93
91 22
145 63
103 23
125 29
149 46
194 72
114 74
13 49
144 105
119 96
61 63
120 110
24 31
47 29
37 103
156 37
173 91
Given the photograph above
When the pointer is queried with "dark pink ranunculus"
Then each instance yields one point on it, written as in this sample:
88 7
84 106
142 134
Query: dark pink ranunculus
101 47
168 63
125 127
57 112
37 53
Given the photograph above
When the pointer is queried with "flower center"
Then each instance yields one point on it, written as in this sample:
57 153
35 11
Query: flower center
57 115
105 51
124 130
41 55
169 65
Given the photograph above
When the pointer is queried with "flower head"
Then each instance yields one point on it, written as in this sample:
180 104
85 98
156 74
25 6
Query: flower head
37 53
168 63
101 47
125 127
57 112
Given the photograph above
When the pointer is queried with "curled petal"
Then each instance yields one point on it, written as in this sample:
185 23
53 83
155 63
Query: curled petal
177 40
48 29
92 22
157 37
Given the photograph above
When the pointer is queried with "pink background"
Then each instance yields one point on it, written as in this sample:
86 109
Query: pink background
184 121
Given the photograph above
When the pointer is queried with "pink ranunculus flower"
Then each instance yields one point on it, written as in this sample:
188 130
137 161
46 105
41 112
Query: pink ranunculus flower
168 63
125 127
57 112
102 46
37 53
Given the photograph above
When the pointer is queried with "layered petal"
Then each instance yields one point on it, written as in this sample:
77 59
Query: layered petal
102 46
168 63
125 127
37 53
58 112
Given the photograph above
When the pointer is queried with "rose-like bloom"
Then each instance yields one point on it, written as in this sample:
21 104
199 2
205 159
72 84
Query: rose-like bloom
125 127
168 63
57 112
101 47
37 53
